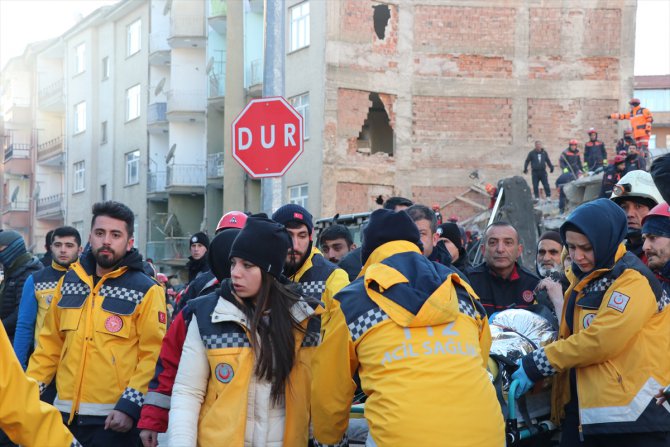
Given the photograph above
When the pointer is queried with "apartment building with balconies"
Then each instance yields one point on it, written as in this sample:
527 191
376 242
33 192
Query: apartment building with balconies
106 110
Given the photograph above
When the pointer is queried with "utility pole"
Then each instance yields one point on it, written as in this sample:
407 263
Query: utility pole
273 85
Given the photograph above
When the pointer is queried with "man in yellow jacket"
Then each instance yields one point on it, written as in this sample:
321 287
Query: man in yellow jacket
102 334
23 417
419 339
612 354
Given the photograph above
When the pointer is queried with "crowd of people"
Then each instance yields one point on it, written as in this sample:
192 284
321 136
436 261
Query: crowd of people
280 330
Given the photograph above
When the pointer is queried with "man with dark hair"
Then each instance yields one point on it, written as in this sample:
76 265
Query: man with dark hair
39 289
595 154
539 160
397 203
335 242
500 281
426 222
450 235
46 259
197 262
102 335
305 265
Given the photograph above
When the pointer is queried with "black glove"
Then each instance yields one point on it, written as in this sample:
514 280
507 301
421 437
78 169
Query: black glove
551 170
609 117
525 171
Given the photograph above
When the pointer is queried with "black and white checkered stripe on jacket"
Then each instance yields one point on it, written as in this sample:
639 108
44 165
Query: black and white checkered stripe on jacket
134 396
74 288
219 341
45 285
122 293
360 325
542 363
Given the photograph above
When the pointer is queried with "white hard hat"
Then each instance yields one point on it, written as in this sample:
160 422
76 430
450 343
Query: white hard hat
638 184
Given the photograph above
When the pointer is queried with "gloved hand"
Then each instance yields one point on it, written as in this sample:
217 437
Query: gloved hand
551 170
525 171
525 383
492 317
608 117
565 170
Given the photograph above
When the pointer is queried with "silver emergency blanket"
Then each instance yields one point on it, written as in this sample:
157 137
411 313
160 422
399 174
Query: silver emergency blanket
531 325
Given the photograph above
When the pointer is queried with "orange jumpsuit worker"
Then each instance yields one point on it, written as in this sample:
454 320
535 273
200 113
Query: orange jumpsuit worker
640 120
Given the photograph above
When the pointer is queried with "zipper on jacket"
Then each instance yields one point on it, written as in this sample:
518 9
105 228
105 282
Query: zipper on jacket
581 434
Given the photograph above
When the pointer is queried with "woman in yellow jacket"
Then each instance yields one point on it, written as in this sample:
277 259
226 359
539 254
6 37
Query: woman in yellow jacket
244 374
23 417
612 353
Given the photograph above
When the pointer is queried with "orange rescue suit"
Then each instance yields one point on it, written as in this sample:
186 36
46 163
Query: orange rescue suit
640 120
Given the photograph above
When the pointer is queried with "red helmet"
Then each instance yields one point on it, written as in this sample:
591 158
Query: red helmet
628 131
232 219
162 277
574 142
592 130
662 210
619 159
634 102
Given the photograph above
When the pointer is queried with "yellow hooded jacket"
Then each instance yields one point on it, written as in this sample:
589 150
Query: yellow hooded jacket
320 278
419 339
23 417
618 346
101 341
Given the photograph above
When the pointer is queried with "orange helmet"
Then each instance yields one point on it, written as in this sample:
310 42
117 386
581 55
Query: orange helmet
232 219
592 130
575 142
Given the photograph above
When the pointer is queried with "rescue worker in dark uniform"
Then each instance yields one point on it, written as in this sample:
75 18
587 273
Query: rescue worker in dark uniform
500 281
635 160
612 175
595 154
570 160
539 160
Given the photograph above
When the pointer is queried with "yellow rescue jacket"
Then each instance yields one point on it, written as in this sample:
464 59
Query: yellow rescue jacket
23 417
102 340
45 282
618 345
419 339
216 382
320 278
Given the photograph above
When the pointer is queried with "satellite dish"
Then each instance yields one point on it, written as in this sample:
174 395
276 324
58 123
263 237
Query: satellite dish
170 154
15 194
159 87
168 6
210 65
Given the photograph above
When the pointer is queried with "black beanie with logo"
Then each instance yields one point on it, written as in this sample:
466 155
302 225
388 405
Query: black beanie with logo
264 243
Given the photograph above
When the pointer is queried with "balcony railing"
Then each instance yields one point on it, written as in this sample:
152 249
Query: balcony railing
255 72
51 90
50 205
186 175
156 182
17 205
182 100
156 113
17 150
171 249
217 85
50 148
187 26
215 165
217 8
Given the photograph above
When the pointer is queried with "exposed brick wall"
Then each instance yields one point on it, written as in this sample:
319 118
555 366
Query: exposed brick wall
602 29
463 66
357 26
563 68
359 197
452 28
462 118
545 31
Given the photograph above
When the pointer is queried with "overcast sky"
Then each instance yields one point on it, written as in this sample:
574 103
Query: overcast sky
25 21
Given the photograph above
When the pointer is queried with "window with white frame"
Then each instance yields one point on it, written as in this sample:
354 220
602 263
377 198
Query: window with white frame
79 226
80 117
301 105
299 16
134 37
133 167
133 102
79 169
105 68
298 195
79 58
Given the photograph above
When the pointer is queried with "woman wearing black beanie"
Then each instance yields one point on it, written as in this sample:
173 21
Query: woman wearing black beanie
244 376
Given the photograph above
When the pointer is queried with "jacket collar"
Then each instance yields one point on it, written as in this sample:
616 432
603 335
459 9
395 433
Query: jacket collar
387 250
621 250
57 266
305 265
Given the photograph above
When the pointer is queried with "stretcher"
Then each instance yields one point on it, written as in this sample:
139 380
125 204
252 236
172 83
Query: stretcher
531 426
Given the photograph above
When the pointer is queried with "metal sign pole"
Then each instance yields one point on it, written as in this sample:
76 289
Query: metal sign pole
273 85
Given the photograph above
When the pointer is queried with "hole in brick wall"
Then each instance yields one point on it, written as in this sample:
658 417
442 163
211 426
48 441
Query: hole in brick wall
381 17
376 135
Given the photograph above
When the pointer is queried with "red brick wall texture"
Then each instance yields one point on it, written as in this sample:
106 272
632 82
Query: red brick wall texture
498 85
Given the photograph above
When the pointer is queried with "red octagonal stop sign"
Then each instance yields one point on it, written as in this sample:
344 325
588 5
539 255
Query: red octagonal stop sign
267 137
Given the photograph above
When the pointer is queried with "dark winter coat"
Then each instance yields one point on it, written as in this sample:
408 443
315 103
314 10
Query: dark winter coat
660 172
12 287
594 154
570 161
196 266
538 161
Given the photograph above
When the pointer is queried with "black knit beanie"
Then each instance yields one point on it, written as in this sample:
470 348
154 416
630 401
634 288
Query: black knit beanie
386 226
552 236
451 231
200 238
218 255
264 243
293 213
